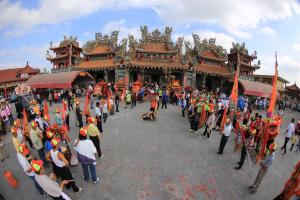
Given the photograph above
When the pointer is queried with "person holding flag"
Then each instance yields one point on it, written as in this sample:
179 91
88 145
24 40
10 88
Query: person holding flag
225 132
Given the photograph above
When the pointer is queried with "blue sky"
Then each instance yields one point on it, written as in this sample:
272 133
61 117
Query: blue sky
27 27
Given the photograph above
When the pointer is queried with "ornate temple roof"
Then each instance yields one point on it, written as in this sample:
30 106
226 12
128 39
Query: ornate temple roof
208 49
67 41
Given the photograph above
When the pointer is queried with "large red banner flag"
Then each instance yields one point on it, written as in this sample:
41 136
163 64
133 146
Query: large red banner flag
46 109
234 92
25 120
86 109
274 89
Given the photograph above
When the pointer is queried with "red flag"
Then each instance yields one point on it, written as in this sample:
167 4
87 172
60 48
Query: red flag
25 120
274 90
46 109
123 94
108 99
203 117
223 120
234 92
63 110
86 109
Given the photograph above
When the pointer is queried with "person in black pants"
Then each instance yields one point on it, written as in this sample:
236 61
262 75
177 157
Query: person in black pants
225 135
245 135
79 115
164 100
117 101
98 117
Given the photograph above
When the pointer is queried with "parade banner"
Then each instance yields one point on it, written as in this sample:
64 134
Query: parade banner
223 120
86 109
25 120
274 90
234 92
22 89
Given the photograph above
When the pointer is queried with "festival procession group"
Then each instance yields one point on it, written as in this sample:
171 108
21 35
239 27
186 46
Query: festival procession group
206 111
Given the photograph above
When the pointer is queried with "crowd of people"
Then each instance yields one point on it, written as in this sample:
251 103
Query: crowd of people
205 111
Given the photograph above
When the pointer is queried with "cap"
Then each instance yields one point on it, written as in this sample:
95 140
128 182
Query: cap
55 142
92 119
49 134
23 149
34 124
13 129
228 120
17 122
57 110
273 146
83 132
36 165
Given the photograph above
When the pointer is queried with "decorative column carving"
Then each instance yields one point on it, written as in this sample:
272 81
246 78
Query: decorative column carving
204 81
106 75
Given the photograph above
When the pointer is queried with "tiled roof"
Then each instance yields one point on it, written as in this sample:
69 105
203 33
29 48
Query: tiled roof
64 46
209 54
213 70
270 77
248 65
155 48
158 65
96 64
61 56
99 50
11 75
293 87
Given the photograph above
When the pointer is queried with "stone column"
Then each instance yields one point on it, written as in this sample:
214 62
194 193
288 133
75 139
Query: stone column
106 75
194 75
204 81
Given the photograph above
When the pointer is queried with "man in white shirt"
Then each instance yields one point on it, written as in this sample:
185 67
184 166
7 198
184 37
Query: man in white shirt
98 117
288 134
225 135
24 157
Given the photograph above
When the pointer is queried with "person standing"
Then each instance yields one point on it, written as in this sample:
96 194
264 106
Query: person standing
36 136
225 135
50 98
24 158
79 115
117 101
164 100
105 111
133 99
128 99
58 118
183 105
47 183
98 116
94 134
3 153
61 164
288 134
245 137
209 124
264 166
86 153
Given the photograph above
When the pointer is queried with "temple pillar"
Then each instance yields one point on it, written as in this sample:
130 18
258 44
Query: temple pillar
142 73
116 75
204 81
106 75
194 75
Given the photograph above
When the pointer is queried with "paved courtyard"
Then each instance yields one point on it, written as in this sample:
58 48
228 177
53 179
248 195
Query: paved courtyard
156 160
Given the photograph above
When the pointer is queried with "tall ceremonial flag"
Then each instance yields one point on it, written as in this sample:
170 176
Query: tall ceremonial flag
123 94
46 110
274 89
25 120
108 99
234 92
203 117
86 109
64 109
223 120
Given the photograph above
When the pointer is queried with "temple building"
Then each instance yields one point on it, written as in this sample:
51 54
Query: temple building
155 58
65 55
292 93
103 57
10 78
207 63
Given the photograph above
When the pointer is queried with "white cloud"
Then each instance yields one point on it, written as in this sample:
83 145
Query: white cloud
288 67
238 17
296 48
267 31
124 30
221 38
